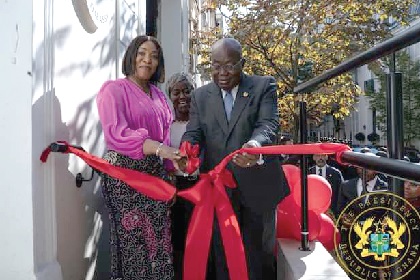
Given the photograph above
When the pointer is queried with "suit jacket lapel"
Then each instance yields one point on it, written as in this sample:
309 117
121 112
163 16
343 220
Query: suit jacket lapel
215 97
352 192
379 185
240 101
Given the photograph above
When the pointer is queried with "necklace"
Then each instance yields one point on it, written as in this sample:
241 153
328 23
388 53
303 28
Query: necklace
147 92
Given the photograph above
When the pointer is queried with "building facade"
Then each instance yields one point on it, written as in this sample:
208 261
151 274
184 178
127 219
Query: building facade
54 57
364 118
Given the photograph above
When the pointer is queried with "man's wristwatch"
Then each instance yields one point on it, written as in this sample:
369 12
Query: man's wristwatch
256 144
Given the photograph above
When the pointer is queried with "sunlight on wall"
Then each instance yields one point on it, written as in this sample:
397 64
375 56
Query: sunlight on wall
92 244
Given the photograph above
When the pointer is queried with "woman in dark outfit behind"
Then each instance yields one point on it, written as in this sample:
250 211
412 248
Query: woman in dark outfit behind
179 88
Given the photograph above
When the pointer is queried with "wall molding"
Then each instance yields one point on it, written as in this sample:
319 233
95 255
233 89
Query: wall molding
51 271
48 267
92 15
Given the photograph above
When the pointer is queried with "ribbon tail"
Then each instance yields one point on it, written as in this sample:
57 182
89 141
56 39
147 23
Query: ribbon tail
44 155
198 241
149 185
231 236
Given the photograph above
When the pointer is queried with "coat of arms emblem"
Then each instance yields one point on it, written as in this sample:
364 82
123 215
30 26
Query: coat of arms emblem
379 239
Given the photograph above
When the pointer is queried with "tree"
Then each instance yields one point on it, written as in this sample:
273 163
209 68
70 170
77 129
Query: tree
360 136
297 40
373 138
410 71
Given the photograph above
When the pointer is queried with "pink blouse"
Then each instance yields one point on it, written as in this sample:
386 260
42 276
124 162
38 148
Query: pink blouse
129 117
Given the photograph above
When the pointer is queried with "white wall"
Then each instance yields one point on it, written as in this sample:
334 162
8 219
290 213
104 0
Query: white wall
17 252
53 63
73 54
82 62
54 58
171 35
363 111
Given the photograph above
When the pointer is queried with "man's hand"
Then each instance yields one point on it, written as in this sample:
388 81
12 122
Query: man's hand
245 160
181 164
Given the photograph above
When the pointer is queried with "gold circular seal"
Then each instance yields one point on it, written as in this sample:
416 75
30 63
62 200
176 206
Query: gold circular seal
379 237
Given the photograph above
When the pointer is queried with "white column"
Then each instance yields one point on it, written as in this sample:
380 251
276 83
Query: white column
185 36
45 264
16 204
170 16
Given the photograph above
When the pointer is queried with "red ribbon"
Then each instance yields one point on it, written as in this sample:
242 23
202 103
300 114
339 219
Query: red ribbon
148 185
209 194
192 152
209 197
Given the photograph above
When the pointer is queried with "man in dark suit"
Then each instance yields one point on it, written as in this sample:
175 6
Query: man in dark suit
353 188
234 111
333 176
285 158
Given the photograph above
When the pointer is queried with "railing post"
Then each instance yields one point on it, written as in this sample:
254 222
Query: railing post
394 116
395 138
304 178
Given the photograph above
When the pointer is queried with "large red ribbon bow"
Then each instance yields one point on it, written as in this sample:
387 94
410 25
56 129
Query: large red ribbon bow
192 152
209 197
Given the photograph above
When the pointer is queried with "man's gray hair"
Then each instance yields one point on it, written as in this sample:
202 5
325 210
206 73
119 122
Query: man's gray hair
177 78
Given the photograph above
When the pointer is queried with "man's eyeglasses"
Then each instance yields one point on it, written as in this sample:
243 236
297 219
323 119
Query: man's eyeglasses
227 67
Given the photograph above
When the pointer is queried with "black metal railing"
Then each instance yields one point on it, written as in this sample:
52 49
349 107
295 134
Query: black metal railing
400 169
394 166
396 43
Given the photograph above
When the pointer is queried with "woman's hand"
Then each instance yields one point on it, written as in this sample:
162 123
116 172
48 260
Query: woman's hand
178 160
181 164
170 153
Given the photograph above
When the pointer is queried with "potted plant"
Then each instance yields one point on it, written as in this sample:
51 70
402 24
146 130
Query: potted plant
373 137
360 136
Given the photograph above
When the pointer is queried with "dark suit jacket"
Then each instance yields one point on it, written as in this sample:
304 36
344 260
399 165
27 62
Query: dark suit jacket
254 116
335 178
348 191
290 159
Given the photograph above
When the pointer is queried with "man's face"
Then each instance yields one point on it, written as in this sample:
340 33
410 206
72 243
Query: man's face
320 160
226 67
370 174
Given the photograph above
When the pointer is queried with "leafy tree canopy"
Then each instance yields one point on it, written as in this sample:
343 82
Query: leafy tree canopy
410 71
297 40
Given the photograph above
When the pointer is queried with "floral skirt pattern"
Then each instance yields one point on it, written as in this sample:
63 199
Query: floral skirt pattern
140 235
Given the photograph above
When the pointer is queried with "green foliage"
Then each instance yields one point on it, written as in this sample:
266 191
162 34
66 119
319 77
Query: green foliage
410 93
297 40
373 137
360 136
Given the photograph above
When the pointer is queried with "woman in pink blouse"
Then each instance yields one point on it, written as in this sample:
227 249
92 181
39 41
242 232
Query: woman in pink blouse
136 122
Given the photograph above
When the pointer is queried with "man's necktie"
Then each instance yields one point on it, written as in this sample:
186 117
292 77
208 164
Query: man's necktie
228 101
365 191
320 172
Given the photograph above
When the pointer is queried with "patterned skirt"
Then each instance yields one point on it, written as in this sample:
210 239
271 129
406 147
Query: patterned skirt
140 235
